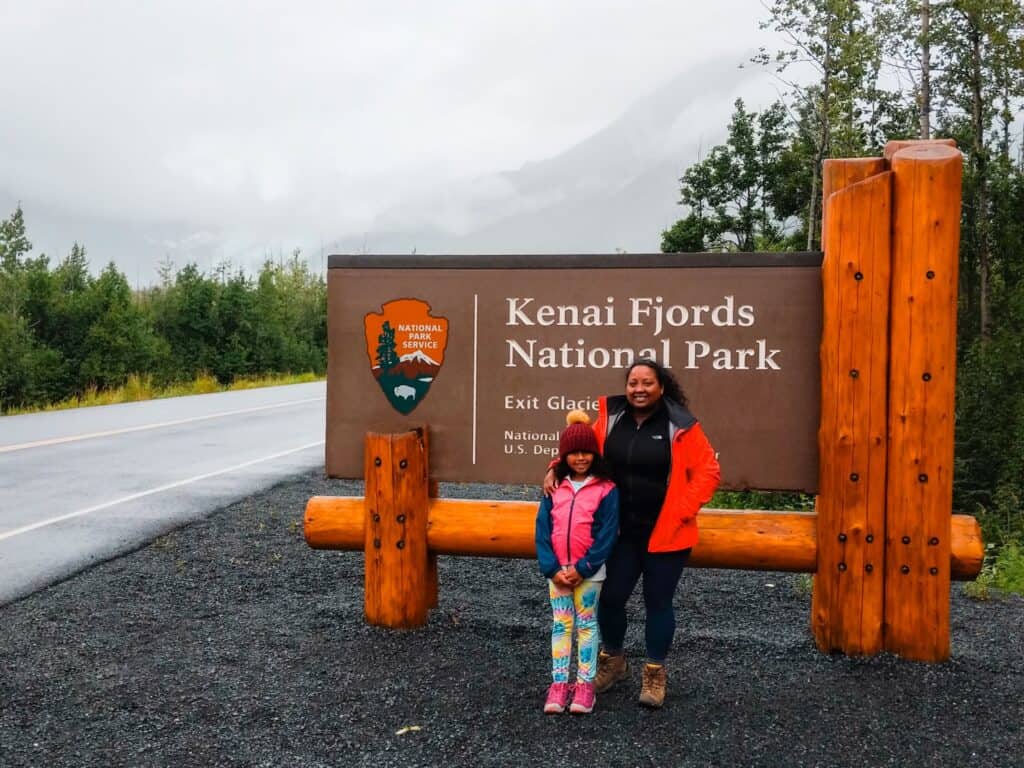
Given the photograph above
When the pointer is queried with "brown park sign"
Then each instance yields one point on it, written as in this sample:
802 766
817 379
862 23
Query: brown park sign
491 352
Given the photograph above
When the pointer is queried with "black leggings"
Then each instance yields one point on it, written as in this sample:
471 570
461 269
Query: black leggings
661 571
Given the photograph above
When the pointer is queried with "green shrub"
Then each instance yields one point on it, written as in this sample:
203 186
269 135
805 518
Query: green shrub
1003 571
772 500
1009 569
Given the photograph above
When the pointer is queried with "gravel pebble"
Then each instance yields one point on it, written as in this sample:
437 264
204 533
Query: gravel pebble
230 643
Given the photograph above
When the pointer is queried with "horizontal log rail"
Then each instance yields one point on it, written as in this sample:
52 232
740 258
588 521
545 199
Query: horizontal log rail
737 539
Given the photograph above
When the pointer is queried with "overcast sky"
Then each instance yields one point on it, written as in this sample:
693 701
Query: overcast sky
259 125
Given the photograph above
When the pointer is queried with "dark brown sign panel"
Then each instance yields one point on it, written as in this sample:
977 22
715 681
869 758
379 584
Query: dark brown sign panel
492 351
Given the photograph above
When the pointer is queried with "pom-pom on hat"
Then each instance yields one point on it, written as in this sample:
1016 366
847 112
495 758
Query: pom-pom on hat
578 435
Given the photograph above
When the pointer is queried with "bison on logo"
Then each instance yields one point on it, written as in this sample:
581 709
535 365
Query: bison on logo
405 344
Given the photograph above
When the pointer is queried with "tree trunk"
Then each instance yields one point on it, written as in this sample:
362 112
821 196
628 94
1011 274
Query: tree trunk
926 75
812 208
1006 117
981 171
823 143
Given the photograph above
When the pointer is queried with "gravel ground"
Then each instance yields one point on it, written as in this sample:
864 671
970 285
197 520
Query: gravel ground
230 643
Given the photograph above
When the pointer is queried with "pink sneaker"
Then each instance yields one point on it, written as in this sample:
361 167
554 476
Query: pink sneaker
583 699
558 698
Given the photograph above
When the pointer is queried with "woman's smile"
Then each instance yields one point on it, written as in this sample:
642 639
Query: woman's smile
643 389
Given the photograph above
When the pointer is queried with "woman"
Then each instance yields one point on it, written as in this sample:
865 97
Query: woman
665 470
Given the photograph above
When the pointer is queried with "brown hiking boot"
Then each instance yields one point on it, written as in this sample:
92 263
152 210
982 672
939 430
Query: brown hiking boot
610 669
652 692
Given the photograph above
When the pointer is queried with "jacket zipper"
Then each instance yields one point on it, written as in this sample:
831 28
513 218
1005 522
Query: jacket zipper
629 462
568 530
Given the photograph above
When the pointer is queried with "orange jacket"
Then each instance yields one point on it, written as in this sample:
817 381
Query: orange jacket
692 480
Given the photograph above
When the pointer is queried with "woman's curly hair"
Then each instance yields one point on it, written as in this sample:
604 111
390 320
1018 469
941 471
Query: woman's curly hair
666 378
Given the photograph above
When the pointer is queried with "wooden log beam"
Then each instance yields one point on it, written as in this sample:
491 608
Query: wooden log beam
736 539
967 548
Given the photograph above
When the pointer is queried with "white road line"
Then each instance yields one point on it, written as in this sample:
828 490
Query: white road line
151 491
157 425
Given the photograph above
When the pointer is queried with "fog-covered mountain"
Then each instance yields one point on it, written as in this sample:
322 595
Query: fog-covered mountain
616 189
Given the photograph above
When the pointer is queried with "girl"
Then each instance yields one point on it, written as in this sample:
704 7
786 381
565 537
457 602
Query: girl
576 528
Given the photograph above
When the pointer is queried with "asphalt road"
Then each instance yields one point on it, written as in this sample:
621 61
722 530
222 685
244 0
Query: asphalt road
85 485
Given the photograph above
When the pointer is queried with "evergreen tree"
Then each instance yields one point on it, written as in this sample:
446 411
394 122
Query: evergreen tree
14 243
120 339
387 357
30 372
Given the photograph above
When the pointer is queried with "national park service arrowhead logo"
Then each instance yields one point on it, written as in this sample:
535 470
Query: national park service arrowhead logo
405 344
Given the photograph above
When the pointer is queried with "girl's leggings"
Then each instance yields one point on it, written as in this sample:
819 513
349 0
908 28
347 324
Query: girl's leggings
580 608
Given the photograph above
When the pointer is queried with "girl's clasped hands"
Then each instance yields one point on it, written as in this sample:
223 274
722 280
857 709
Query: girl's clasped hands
567 578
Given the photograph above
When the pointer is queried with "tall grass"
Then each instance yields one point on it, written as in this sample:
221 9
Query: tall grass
141 387
1003 571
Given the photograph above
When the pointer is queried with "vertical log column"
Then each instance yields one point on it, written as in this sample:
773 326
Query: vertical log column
400 584
432 493
847 603
926 238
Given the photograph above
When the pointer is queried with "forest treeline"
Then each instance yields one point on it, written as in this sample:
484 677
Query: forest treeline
64 331
853 76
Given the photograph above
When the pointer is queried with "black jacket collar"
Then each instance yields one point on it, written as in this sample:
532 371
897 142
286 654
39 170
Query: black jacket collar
678 414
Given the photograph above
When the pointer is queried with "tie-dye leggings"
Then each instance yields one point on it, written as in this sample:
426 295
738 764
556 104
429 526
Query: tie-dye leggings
578 607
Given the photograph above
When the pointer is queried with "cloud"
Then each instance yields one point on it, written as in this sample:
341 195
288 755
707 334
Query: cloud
260 123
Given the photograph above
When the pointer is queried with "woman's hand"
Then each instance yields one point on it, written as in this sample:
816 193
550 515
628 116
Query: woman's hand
550 482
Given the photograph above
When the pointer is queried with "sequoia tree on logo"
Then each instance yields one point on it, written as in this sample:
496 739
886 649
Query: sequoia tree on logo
405 344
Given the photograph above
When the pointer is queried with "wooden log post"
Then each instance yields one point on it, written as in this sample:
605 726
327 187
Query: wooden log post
432 493
894 146
397 572
926 238
847 601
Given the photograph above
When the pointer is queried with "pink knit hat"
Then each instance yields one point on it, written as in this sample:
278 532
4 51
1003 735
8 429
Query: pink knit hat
578 436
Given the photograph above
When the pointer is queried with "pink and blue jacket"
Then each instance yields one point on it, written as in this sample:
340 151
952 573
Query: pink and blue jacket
577 527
